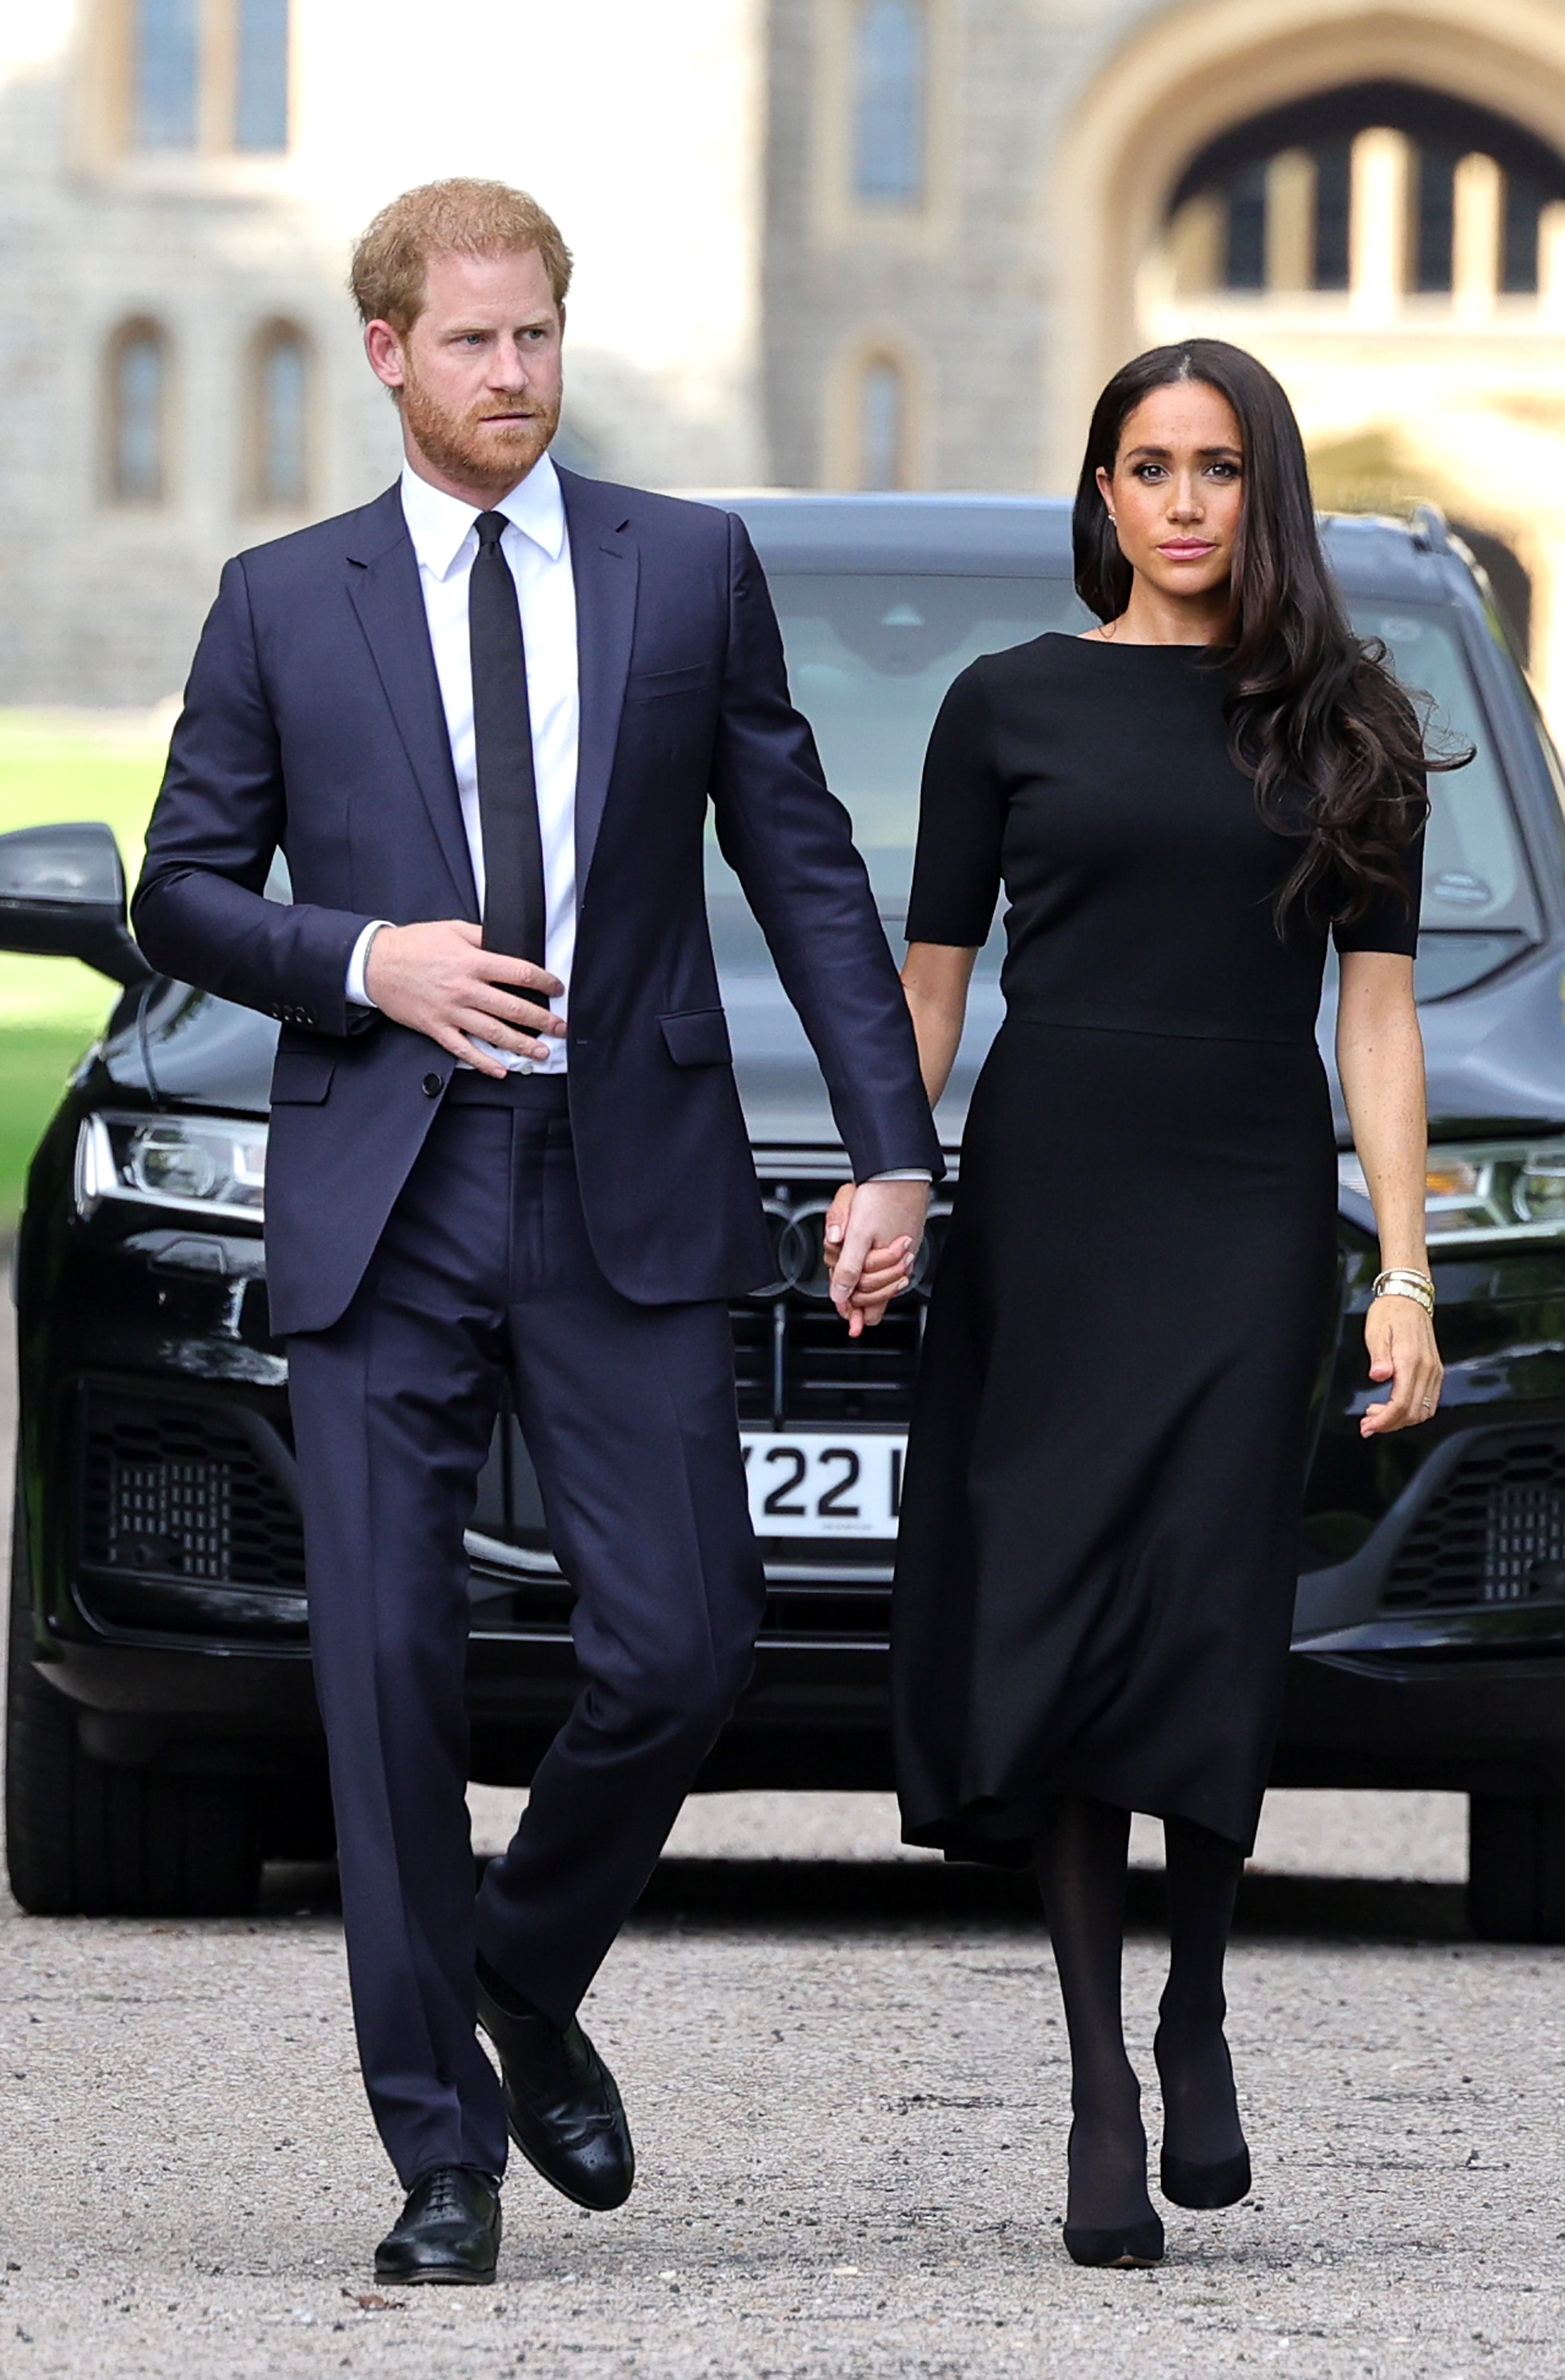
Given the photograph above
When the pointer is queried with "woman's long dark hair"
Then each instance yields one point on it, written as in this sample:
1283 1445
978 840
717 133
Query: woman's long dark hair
1333 744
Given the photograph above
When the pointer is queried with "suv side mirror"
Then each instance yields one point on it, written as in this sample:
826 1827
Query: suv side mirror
61 895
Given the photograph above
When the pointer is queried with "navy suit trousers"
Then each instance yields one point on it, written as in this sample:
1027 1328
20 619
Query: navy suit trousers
485 1270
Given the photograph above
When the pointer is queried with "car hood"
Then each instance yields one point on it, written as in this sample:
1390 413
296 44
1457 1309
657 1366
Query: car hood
1495 1054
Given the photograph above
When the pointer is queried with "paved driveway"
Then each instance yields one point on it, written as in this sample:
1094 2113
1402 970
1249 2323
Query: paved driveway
845 2068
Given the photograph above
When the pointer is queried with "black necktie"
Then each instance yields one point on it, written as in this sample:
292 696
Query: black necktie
513 918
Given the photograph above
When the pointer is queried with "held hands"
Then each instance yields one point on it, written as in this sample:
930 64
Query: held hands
872 1237
439 980
1401 1340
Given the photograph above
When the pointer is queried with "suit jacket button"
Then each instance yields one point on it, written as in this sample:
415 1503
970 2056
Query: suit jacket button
433 1086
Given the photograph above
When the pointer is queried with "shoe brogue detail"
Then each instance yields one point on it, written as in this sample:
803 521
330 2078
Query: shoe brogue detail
563 2106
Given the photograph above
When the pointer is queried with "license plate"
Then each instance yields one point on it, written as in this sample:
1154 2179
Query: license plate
834 1485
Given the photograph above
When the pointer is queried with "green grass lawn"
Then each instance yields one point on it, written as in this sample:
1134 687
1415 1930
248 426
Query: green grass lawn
34 1063
51 770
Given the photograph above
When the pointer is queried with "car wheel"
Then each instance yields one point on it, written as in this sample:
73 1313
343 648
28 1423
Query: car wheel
84 1838
1516 1866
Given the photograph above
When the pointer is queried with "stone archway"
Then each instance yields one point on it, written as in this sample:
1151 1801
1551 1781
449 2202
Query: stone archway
1486 433
1175 84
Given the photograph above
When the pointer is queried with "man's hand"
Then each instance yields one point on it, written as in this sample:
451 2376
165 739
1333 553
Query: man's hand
440 981
872 1237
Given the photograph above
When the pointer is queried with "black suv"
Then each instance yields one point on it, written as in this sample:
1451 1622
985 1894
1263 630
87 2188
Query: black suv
162 1733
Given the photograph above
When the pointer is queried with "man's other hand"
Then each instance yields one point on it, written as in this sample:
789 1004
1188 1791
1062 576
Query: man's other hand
873 1233
439 980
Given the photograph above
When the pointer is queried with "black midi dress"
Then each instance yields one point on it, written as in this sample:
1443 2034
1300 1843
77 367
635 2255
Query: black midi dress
1100 1520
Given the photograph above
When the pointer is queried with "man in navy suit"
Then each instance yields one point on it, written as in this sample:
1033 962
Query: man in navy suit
483 718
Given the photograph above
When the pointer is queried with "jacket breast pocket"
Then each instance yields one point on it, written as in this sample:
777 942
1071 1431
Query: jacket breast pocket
647 686
697 1037
301 1077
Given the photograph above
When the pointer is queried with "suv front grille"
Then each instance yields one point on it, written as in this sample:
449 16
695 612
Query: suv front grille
1492 1533
797 1366
188 1491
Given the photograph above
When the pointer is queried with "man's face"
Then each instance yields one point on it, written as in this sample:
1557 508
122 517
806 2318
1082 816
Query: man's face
479 374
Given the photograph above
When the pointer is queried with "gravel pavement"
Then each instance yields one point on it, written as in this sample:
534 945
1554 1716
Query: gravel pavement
845 2068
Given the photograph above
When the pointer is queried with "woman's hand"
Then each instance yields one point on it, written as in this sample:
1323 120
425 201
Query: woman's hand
1401 1340
1380 1061
862 1284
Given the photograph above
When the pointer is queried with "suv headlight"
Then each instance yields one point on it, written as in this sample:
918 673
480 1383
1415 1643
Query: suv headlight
197 1165
1484 1190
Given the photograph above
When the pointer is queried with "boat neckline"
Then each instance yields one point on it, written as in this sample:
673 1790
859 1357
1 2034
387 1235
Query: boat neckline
1106 645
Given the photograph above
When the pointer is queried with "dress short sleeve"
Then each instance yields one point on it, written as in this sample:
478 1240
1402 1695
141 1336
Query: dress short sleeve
956 872
1390 922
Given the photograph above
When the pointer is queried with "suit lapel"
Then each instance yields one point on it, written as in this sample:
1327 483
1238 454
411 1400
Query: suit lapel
605 565
383 584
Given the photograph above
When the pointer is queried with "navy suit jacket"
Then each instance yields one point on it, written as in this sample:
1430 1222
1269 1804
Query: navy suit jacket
313 722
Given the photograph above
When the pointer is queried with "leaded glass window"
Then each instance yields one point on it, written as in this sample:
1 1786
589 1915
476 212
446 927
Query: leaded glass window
889 101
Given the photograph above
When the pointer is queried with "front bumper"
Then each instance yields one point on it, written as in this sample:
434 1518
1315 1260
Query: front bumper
1408 1668
1470 1701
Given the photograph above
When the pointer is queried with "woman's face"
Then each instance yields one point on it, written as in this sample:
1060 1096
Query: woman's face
1177 487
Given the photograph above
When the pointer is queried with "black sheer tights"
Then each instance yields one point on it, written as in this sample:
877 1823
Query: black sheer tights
1200 2114
1081 1868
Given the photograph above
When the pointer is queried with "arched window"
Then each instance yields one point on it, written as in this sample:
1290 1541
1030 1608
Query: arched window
280 416
165 73
136 393
891 74
260 89
882 424
1455 209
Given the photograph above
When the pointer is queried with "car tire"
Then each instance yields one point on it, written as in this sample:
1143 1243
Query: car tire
1516 1866
84 1838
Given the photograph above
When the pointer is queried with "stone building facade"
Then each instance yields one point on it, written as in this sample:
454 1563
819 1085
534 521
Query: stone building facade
819 243
180 184
1370 194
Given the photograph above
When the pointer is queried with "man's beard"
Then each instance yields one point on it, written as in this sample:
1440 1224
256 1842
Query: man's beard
466 446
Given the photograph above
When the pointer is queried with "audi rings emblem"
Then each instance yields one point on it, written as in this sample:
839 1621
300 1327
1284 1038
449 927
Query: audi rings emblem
798 1250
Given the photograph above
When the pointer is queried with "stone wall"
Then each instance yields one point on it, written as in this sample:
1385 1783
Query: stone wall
639 128
962 287
730 291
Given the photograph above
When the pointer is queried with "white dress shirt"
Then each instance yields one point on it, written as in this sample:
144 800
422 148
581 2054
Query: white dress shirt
537 546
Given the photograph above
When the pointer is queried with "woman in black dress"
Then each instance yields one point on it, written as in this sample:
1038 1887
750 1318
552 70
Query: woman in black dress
1101 1522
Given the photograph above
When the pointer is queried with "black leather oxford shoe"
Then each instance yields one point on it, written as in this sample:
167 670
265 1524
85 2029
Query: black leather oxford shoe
449 2230
562 2104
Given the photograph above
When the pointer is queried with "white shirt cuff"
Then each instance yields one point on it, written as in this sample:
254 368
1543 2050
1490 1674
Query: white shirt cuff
357 995
905 1173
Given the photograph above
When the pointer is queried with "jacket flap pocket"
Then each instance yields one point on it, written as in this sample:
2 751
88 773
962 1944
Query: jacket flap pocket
641 684
697 1037
301 1077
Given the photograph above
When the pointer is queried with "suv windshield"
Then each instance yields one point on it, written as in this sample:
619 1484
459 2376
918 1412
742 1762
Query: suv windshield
870 657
